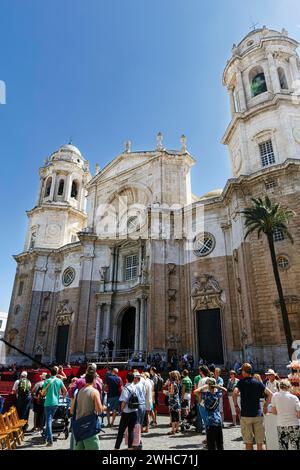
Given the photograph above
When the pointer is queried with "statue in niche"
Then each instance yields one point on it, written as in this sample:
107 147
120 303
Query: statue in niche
102 272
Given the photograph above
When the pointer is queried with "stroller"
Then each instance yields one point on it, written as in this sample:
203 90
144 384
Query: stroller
190 420
61 421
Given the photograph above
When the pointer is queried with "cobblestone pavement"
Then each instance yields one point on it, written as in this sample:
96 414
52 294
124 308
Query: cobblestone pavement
157 439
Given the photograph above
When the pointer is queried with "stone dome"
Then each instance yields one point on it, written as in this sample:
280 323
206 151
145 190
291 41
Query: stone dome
213 193
69 153
70 148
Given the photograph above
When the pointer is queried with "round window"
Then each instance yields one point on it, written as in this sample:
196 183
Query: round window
204 244
68 276
283 263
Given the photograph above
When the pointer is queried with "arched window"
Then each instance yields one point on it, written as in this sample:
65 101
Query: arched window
282 79
74 190
17 309
257 81
48 187
61 186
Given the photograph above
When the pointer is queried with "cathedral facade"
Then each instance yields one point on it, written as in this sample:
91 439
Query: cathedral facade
133 255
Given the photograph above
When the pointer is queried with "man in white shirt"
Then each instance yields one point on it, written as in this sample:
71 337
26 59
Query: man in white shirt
287 408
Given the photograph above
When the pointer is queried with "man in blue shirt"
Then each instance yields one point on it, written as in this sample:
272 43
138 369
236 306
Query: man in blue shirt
114 385
252 421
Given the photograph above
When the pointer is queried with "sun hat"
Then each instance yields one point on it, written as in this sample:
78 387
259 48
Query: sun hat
270 372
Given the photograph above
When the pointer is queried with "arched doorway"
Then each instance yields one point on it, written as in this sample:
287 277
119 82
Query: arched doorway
128 329
209 332
62 343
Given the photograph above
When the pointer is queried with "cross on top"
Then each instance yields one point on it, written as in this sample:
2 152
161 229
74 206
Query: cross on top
253 26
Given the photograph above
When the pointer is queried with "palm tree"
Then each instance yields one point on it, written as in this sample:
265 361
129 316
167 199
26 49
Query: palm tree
265 217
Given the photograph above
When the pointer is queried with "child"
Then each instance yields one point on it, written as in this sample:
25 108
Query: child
210 395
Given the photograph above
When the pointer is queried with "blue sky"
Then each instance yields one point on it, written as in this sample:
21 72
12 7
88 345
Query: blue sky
104 71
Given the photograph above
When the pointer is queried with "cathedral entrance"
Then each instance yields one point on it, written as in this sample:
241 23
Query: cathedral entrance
209 331
128 329
62 343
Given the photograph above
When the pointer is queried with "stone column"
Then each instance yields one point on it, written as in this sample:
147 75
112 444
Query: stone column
107 321
87 261
143 326
137 325
41 191
232 102
294 68
68 188
241 91
81 198
53 184
274 74
98 324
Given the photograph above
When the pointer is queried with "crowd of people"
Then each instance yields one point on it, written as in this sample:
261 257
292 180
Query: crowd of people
137 401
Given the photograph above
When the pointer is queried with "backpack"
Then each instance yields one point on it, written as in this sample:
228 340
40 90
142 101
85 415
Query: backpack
23 388
133 402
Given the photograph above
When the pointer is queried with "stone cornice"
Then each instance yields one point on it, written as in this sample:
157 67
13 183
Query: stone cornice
152 156
47 251
138 290
56 207
250 113
236 183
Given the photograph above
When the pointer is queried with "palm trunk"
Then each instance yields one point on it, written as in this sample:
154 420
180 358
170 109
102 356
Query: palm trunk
284 313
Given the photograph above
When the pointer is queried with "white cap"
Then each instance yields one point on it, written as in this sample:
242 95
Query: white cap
24 373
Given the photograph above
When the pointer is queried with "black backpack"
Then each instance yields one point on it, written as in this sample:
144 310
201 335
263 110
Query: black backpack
133 402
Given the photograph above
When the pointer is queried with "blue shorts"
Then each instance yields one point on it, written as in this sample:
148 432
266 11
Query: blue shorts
113 403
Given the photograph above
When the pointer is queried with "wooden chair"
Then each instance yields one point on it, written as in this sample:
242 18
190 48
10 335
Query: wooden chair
7 434
4 442
15 417
16 430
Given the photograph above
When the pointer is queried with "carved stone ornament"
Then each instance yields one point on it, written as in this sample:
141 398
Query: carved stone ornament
206 292
39 349
64 313
174 339
172 294
171 268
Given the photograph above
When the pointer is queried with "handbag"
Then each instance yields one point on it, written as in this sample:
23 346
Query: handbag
44 391
86 426
136 435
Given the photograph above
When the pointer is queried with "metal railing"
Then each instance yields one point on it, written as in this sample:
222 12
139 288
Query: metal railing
118 355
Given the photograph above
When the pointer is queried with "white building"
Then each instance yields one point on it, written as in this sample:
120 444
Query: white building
81 280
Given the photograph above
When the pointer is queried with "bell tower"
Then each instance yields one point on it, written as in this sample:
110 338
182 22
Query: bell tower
262 78
60 210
